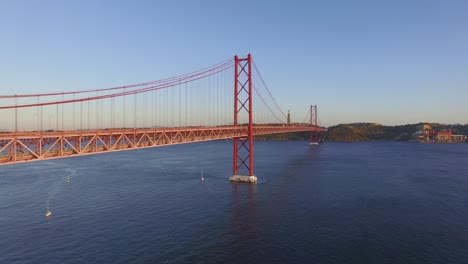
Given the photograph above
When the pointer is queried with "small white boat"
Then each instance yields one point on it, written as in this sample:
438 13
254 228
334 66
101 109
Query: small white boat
68 179
202 177
313 143
49 213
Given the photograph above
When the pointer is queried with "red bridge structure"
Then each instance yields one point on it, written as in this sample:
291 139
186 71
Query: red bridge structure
213 103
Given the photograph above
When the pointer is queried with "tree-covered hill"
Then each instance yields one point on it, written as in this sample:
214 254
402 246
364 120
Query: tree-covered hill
373 131
370 132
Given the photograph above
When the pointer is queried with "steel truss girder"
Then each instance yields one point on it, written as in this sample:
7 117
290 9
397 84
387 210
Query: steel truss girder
31 146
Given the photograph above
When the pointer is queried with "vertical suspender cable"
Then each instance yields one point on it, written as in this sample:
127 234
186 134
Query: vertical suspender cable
73 119
102 111
97 111
208 100
166 111
89 114
63 113
152 108
41 128
135 112
16 115
180 105
56 116
143 107
124 109
172 116
38 114
81 115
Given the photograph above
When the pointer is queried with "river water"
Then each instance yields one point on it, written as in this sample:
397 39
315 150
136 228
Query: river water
373 202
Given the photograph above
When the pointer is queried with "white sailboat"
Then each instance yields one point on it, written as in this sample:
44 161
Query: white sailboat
201 177
49 213
68 179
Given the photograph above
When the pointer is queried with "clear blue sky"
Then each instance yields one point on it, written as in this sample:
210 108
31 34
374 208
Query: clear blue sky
391 62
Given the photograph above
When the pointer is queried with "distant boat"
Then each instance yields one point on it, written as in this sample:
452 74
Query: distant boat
49 213
68 179
313 143
201 177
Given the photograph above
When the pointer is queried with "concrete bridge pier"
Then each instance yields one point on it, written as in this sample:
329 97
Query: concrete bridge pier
240 178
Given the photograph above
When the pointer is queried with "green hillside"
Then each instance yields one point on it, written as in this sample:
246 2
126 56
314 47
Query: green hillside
373 131
369 132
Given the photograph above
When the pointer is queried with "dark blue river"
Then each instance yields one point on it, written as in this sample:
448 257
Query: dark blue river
335 203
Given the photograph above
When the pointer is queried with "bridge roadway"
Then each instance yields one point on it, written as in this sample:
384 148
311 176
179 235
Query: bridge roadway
31 146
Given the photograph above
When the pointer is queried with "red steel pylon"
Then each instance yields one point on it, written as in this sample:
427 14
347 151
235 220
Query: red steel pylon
243 147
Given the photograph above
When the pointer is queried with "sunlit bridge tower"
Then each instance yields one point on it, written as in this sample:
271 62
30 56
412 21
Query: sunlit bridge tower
243 146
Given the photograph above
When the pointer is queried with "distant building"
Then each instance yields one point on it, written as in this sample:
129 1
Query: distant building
444 135
459 137
441 136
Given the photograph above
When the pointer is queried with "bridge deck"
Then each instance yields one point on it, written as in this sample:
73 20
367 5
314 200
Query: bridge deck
31 146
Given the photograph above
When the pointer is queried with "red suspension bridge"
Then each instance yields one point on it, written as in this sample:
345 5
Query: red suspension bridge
214 103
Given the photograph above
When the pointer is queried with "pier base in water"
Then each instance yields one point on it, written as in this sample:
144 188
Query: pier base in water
240 178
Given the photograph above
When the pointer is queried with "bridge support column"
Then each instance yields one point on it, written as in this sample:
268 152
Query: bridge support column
240 178
243 147
313 123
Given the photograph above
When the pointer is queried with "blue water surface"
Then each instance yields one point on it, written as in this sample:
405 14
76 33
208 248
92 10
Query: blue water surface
372 202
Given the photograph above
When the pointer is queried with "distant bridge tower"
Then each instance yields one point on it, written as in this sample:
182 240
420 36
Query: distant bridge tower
289 117
313 123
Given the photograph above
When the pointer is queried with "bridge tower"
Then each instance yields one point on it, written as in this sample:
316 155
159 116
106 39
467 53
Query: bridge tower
243 146
314 123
